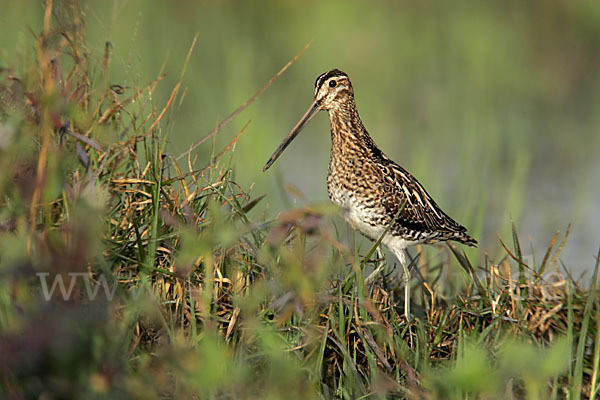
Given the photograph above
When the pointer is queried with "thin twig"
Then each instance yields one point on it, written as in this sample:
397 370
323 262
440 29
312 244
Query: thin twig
243 106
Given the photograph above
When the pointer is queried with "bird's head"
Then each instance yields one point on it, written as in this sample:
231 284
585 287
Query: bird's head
333 90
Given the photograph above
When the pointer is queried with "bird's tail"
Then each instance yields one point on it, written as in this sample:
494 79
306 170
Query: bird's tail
463 238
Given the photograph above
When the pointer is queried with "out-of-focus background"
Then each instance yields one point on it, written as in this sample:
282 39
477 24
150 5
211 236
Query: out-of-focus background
492 105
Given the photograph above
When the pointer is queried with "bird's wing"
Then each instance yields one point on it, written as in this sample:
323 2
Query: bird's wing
419 212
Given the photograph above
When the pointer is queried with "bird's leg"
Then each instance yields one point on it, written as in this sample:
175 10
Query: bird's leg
406 278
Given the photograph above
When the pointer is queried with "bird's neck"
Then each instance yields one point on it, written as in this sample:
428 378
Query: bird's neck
347 130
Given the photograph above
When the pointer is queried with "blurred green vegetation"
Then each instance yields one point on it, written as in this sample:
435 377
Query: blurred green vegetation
492 105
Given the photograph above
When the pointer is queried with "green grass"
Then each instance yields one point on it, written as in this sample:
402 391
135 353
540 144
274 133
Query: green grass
214 303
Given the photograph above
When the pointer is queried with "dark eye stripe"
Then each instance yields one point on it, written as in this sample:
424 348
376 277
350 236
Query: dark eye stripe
329 74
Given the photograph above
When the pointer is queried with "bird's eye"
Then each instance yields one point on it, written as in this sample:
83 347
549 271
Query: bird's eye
332 84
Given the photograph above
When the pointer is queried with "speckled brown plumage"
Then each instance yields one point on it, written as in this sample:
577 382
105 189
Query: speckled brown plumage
373 191
360 172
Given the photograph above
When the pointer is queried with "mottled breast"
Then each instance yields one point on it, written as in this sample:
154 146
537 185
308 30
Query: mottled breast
350 185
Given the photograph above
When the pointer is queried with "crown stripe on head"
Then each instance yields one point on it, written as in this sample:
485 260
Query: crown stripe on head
329 74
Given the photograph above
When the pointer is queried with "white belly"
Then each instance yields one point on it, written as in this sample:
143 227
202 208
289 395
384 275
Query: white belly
358 217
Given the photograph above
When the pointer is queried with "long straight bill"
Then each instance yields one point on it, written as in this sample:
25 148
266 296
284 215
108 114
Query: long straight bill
312 111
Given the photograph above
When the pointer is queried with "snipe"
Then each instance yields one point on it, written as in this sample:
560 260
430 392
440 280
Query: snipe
373 191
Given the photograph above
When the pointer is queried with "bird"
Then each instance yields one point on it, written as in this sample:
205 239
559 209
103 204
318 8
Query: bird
376 195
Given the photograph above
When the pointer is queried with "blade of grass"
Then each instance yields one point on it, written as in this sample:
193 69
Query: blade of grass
570 325
153 234
547 255
562 244
596 359
321 355
521 264
579 356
